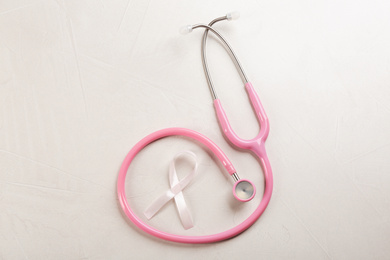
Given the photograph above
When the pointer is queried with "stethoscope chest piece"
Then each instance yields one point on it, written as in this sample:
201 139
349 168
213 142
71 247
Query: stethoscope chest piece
244 190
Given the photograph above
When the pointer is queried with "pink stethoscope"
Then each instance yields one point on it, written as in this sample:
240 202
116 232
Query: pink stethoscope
243 190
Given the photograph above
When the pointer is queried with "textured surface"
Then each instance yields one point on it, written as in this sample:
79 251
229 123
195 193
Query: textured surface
83 81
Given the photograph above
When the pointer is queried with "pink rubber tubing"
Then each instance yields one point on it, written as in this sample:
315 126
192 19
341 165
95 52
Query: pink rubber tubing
255 145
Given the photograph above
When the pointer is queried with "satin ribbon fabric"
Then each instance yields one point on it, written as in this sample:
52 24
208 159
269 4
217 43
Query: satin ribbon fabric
175 192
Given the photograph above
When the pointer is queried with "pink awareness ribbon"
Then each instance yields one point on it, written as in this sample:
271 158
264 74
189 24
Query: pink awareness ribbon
175 192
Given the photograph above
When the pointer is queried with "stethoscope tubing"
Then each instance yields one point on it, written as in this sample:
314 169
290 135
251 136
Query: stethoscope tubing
268 179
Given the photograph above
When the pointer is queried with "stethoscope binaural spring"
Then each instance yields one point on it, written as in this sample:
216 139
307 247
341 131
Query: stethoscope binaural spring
243 190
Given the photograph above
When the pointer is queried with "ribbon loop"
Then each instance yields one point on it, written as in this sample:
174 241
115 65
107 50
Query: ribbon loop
175 192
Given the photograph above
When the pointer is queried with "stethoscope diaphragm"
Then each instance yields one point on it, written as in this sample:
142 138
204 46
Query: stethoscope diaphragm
244 190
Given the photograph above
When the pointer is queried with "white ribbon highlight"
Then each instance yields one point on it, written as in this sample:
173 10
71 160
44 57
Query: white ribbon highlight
176 192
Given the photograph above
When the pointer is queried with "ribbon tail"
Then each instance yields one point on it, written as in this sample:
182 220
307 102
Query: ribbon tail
158 204
185 215
181 205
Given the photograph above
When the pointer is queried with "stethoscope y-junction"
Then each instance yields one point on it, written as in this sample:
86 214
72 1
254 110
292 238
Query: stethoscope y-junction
243 190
